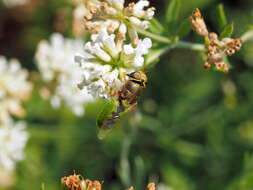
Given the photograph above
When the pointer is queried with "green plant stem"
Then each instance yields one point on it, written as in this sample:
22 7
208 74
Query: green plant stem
247 36
179 44
153 36
125 169
189 45
156 54
124 162
176 44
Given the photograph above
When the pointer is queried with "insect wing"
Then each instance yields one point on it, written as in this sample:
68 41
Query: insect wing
110 116
104 118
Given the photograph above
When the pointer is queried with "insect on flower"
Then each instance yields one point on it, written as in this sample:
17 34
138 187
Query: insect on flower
133 87
126 101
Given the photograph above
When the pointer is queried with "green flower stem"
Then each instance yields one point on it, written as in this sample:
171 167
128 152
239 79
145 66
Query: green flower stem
155 54
179 44
189 45
124 168
247 36
124 162
153 36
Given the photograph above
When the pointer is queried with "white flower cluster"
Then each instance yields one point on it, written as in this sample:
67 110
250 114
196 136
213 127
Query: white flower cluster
60 72
13 139
107 59
104 64
13 3
14 88
112 15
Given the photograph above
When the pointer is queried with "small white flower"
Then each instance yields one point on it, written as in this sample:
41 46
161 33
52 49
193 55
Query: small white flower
56 63
118 4
134 56
14 88
104 64
139 12
111 14
13 138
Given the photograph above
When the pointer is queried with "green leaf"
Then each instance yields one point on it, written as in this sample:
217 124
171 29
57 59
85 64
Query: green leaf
184 28
155 26
172 15
106 120
104 115
222 19
227 31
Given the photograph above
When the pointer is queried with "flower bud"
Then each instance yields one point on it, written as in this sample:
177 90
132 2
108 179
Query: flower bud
198 23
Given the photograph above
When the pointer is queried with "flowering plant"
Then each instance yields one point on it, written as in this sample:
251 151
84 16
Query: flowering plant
116 50
14 89
124 63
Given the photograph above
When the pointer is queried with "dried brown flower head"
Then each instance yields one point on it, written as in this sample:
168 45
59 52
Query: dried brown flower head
198 23
215 48
92 185
151 186
72 182
75 182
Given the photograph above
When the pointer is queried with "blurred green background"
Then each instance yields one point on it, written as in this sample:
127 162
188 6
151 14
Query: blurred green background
194 128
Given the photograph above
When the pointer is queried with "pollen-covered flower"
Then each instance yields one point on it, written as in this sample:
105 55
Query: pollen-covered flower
13 138
215 48
104 63
61 74
14 88
112 14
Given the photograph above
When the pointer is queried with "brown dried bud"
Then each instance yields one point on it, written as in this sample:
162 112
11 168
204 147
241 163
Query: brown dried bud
93 185
92 7
198 23
213 38
75 182
97 185
237 44
72 182
221 66
232 46
207 65
215 48
151 186
211 50
90 26
129 9
229 52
